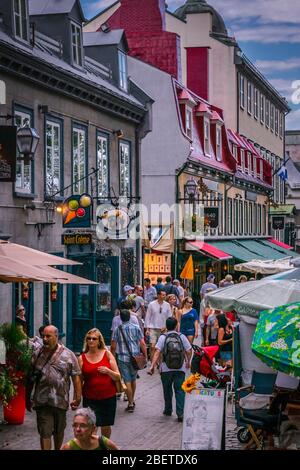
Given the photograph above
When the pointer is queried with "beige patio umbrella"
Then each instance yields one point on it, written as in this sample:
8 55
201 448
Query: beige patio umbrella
33 257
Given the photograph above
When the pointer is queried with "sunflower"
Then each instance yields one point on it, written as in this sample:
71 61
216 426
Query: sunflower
190 383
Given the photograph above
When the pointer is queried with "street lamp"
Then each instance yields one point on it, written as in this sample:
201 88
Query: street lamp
190 189
27 141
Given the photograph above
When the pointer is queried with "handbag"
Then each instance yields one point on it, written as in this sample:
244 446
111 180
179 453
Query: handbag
139 361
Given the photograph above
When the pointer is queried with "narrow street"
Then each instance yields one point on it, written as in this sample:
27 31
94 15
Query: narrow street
147 428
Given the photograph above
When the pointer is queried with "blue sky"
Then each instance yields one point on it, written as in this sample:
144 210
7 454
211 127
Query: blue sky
268 31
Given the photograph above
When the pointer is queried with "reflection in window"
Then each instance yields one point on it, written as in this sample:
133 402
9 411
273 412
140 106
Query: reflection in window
79 160
23 172
76 44
102 165
21 19
104 288
53 157
124 169
123 71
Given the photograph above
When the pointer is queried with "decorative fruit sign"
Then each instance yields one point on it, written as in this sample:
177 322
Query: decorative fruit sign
77 211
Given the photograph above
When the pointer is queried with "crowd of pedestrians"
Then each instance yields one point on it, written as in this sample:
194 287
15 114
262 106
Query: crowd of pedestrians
160 322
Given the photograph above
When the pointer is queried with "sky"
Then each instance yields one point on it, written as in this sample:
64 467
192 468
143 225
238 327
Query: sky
268 32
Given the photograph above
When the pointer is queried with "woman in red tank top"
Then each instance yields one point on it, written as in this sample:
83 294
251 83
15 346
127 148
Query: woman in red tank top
99 374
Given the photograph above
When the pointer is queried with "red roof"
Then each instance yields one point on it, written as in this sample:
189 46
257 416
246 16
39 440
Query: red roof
203 108
184 95
210 250
216 117
282 245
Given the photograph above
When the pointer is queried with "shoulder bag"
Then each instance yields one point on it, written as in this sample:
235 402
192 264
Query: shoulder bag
139 361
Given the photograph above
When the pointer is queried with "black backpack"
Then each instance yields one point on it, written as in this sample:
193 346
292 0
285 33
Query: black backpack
173 352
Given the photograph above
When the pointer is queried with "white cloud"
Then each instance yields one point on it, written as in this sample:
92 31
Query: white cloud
283 86
293 120
278 65
268 34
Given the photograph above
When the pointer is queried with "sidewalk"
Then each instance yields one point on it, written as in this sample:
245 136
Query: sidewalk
147 428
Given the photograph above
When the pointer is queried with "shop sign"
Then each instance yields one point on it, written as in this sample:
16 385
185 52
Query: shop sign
8 153
77 211
77 239
211 217
278 223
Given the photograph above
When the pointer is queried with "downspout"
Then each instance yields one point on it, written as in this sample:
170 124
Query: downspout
178 173
138 196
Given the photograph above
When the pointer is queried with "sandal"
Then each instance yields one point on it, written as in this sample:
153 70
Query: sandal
130 408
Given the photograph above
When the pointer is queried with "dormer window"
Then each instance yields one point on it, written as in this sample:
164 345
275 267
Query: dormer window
123 71
218 144
243 160
21 19
206 137
249 163
189 122
235 152
76 44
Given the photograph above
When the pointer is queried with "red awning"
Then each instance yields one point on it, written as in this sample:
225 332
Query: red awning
282 245
208 250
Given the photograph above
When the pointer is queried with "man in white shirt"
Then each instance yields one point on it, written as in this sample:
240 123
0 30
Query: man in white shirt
155 322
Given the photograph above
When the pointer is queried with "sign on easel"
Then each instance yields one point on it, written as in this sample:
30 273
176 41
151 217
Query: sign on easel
203 426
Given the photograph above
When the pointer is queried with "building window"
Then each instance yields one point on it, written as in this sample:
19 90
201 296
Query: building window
242 91
236 217
254 167
124 158
76 44
276 121
219 144
230 218
188 123
24 173
235 152
246 218
102 165
250 218
243 160
262 109
123 71
249 98
264 220
281 125
254 219
267 114
272 118
241 217
249 163
261 173
53 141
206 137
256 99
21 19
259 214
79 160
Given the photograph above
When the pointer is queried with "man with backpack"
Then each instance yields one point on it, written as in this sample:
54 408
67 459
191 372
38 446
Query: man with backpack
175 352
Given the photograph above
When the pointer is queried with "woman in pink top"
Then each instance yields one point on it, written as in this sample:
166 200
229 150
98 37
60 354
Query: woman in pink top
99 374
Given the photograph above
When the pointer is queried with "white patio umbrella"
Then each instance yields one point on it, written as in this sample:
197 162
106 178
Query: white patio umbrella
265 266
250 298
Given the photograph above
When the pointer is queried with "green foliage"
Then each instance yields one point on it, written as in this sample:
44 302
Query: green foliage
18 351
7 388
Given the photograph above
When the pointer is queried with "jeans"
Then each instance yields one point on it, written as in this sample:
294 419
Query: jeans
169 380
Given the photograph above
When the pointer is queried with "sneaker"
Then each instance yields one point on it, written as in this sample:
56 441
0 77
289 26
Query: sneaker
180 419
130 408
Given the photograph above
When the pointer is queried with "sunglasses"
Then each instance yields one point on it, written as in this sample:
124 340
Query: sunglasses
189 302
90 338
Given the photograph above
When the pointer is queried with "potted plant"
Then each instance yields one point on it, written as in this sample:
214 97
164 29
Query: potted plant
14 373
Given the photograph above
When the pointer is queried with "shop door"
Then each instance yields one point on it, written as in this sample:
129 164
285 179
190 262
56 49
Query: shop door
107 292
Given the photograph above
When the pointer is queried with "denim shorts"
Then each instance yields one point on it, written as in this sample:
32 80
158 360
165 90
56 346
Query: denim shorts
226 355
128 372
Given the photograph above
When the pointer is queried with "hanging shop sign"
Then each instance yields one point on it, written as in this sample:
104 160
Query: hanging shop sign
278 223
211 217
8 153
76 239
77 211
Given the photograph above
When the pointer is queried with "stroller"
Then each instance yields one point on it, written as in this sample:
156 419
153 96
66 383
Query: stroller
202 363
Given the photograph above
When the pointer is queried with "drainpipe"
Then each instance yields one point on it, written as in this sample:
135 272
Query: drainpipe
178 173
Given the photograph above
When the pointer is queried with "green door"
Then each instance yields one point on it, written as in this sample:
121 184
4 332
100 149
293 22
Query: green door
107 292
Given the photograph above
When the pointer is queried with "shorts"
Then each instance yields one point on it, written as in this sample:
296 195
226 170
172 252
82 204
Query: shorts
105 410
155 333
127 370
50 421
226 355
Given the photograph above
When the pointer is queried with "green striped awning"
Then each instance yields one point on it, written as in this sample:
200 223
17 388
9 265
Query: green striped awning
238 251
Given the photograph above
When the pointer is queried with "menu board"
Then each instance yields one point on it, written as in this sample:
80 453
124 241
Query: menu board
8 153
204 417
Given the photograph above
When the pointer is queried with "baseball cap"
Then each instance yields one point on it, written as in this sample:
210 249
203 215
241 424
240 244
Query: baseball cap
127 288
210 277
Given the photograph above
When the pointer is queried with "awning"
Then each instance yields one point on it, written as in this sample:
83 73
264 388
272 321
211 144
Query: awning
281 244
208 249
236 251
263 249
283 251
283 209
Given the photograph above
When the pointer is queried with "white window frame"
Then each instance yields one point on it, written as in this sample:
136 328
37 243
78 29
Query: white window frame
259 221
242 160
79 158
123 79
242 91
250 218
281 125
267 114
21 168
276 121
102 155
256 99
261 170
246 221
189 122
21 19
254 166
125 168
218 143
272 118
241 216
249 163
230 216
76 41
206 137
55 150
236 218
249 97
262 108
235 152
